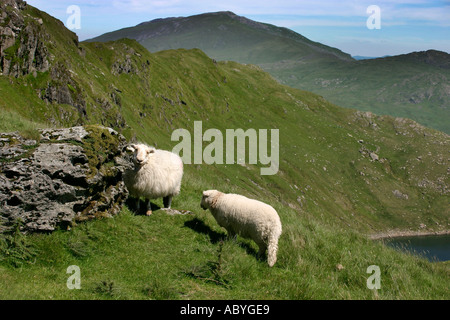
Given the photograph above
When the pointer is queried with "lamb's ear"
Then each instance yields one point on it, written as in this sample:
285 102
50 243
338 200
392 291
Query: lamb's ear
207 193
151 150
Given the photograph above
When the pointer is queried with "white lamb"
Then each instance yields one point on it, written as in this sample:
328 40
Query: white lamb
249 218
157 173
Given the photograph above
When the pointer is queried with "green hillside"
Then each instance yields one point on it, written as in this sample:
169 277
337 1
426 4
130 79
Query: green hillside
343 175
414 86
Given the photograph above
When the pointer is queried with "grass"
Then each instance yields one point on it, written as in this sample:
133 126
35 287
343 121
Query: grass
11 121
189 257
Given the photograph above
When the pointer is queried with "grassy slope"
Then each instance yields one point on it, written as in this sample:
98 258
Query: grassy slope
325 189
177 257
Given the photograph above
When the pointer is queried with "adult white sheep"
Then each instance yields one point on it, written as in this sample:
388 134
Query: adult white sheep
249 218
157 173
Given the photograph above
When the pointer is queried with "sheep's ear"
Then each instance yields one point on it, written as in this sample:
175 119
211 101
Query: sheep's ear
151 150
131 148
206 193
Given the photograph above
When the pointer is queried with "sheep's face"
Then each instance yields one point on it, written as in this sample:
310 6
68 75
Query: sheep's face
208 196
141 153
203 204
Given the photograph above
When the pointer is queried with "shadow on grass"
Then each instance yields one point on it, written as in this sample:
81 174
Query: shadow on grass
250 250
131 204
199 226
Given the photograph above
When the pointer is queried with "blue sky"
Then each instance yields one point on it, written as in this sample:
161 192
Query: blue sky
406 25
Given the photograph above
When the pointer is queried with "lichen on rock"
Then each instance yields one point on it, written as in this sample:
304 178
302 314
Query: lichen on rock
68 175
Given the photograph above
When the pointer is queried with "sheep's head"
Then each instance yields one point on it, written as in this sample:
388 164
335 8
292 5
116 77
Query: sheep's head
208 199
141 153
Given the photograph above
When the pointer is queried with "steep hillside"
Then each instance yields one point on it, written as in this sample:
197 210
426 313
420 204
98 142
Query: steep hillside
413 86
343 175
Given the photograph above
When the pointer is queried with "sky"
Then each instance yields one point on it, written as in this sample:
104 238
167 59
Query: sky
372 28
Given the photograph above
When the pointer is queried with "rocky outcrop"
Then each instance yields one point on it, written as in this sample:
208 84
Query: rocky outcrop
123 66
63 89
61 176
23 50
22 41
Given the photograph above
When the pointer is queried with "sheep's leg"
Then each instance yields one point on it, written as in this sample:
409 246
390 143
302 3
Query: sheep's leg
149 208
167 201
262 251
138 205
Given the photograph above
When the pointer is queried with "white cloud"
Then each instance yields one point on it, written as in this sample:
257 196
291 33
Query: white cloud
432 15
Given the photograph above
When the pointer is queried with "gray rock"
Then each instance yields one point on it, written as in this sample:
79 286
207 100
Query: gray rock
400 195
26 38
69 175
173 212
374 156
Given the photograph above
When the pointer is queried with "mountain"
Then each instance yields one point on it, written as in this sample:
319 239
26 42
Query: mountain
222 35
344 175
413 85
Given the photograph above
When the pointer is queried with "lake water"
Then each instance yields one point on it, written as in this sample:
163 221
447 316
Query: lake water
434 248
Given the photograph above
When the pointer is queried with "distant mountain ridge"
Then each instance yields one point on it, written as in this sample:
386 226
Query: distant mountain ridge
218 29
433 58
413 85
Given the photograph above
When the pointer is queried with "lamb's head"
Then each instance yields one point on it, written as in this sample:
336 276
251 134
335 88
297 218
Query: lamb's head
209 198
141 153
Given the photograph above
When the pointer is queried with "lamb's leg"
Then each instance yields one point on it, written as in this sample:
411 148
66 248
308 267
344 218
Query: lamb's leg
262 251
149 208
167 201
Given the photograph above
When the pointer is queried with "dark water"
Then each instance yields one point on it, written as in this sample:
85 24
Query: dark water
434 248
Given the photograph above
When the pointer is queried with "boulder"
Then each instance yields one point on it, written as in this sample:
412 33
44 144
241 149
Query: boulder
374 156
60 176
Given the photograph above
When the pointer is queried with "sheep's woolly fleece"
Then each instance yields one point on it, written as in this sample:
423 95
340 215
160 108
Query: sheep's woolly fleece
158 174
249 218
